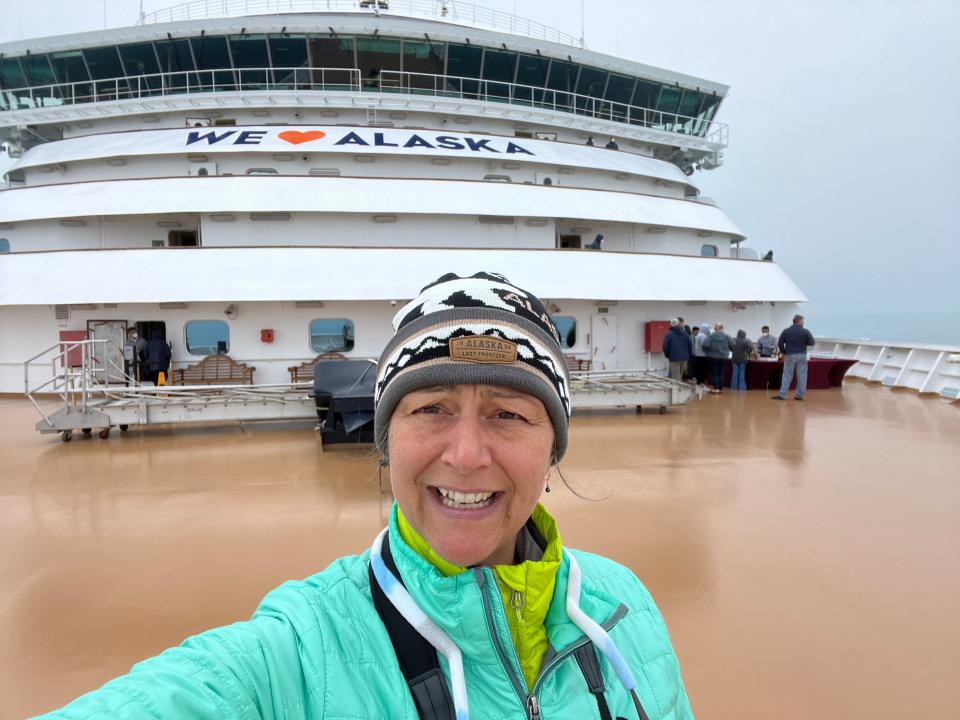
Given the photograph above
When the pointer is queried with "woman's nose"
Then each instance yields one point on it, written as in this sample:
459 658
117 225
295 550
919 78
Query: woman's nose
465 445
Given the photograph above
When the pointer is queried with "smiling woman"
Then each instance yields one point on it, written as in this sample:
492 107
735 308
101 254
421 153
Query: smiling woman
472 409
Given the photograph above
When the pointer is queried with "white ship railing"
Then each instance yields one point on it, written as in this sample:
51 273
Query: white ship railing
451 11
924 368
309 79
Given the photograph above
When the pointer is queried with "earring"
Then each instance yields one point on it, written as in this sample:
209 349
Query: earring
547 478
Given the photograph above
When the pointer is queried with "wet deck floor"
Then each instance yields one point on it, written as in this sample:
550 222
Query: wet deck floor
806 555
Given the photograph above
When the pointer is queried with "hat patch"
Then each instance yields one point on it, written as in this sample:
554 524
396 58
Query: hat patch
483 349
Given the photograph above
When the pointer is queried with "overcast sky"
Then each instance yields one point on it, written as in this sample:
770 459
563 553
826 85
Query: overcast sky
843 115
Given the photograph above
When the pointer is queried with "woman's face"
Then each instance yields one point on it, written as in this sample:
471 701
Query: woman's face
467 466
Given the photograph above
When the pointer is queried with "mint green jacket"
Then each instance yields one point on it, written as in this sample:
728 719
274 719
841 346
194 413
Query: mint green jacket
316 649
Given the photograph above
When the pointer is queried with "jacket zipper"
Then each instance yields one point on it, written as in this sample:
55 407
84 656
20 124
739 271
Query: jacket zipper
530 701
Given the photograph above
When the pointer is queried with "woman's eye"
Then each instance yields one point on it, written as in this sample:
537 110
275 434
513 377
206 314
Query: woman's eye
429 410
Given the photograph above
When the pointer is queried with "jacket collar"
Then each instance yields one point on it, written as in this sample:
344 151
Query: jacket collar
453 602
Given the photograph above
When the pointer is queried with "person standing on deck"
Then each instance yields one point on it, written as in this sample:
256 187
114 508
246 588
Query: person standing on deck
793 344
158 357
677 346
742 348
700 363
130 355
717 348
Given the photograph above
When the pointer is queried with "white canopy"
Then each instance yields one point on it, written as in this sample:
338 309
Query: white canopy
323 273
353 195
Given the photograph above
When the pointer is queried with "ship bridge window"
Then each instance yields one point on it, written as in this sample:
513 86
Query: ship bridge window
37 68
141 59
250 51
331 335
646 94
104 62
287 54
331 52
709 251
464 60
620 89
566 327
69 67
376 54
210 52
4 245
11 74
423 57
563 77
207 337
499 66
669 101
175 57
592 82
532 70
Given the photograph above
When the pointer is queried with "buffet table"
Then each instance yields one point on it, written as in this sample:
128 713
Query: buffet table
821 373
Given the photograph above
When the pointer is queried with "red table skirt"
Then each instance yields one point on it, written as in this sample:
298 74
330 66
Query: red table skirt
821 373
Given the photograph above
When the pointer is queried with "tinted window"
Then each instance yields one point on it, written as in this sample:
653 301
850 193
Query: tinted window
708 251
566 328
331 52
208 337
37 68
211 52
669 99
4 245
620 89
532 70
103 62
646 94
498 65
288 53
375 55
592 82
11 75
331 335
464 60
423 57
140 60
175 57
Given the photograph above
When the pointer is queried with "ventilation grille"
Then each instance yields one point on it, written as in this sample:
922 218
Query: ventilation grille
61 312
270 217
324 172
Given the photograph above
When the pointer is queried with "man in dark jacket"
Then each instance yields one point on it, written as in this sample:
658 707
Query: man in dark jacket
793 345
677 346
717 347
158 357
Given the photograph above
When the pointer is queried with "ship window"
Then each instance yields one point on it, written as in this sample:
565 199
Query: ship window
331 335
141 59
211 53
207 337
11 75
37 68
646 94
374 55
335 52
592 82
250 51
175 57
423 57
566 328
563 76
532 70
620 89
4 245
709 251
68 67
104 62
464 60
499 66
669 99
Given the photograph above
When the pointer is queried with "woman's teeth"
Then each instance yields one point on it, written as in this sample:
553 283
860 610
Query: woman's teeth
459 500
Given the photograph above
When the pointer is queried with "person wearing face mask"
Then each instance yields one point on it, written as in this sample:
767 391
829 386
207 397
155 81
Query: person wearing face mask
129 355
467 605
766 343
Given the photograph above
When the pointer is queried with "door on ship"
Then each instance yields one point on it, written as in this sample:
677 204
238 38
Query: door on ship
108 355
603 340
145 330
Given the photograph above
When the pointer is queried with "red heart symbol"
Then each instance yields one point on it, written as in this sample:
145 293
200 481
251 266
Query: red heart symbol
295 137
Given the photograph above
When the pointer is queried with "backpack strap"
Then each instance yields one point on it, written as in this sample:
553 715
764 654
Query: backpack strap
417 658
590 667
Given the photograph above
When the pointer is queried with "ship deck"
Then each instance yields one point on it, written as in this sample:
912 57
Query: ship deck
805 555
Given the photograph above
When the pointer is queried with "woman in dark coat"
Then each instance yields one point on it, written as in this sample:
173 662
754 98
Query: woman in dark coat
158 357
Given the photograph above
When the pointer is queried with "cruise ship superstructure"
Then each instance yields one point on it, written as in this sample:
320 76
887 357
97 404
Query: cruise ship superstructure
306 166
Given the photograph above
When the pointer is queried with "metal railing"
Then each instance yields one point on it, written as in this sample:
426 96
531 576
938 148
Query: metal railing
450 11
394 81
134 87
301 79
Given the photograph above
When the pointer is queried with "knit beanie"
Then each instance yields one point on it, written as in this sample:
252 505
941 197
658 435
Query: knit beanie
477 330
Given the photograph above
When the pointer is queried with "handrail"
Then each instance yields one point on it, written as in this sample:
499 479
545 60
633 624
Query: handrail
451 11
393 81
310 79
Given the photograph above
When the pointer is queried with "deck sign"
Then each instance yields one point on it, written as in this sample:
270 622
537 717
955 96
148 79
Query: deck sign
358 137
316 140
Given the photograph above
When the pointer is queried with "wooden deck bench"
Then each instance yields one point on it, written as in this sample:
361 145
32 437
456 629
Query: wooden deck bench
215 370
576 364
304 371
